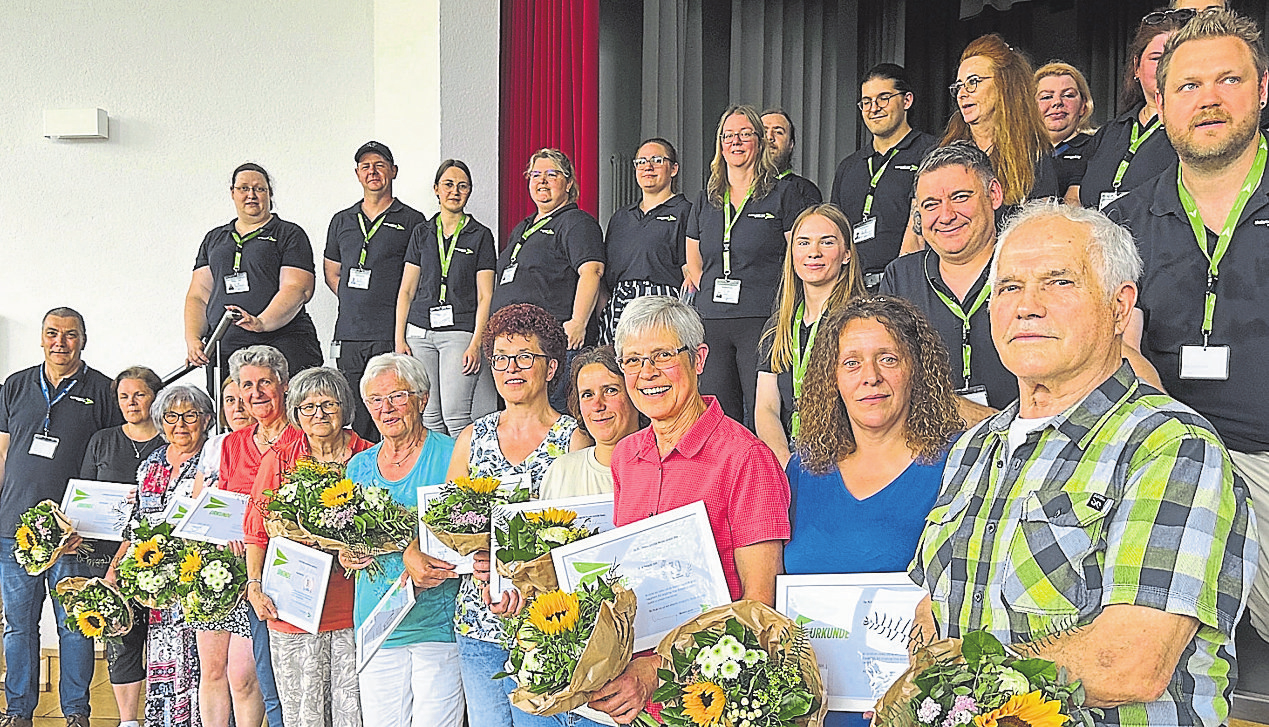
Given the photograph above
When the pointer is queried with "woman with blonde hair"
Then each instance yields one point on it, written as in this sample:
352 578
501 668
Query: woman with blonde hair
1065 104
821 272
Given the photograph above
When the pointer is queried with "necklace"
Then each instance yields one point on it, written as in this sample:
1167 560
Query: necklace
408 450
265 442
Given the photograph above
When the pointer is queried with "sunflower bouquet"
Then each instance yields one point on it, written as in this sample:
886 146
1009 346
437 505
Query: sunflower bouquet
150 571
567 645
460 517
93 608
739 665
977 681
525 541
214 580
42 536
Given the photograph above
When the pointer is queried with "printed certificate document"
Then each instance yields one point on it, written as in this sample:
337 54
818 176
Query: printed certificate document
216 517
383 619
593 511
295 577
98 509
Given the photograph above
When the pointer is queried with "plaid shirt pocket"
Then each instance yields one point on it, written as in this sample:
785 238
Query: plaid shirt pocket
941 525
1054 559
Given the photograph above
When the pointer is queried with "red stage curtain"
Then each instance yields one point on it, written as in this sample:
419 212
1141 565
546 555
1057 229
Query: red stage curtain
549 97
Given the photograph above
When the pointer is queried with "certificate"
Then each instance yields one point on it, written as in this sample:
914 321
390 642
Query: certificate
98 509
295 577
593 511
177 509
669 560
428 541
216 517
859 625
383 619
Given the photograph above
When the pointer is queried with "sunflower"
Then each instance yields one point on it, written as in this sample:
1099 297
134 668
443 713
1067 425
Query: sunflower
478 485
554 612
1024 710
26 538
703 702
190 565
338 493
91 623
148 553
551 516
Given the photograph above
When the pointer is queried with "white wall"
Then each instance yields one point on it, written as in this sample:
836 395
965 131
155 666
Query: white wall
469 99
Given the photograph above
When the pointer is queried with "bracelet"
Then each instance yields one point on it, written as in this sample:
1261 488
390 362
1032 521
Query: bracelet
255 580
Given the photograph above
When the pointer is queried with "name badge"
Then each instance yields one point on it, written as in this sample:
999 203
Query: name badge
976 394
509 274
237 283
1205 362
1108 197
43 446
335 348
441 316
726 291
866 230
359 278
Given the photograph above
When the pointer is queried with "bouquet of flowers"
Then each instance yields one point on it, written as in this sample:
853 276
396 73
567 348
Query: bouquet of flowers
567 645
317 504
740 665
215 581
150 571
41 538
93 607
975 680
525 541
459 518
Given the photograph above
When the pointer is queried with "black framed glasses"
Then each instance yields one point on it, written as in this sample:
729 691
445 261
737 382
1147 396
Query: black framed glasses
501 362
660 360
728 137
1159 17
327 407
969 84
866 104
189 417
244 189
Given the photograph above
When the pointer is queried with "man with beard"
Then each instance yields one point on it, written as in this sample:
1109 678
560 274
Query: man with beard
782 136
1203 232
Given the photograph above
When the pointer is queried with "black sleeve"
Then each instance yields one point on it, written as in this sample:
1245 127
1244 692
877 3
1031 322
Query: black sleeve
88 470
332 244
765 344
414 248
694 217
201 260
486 251
295 250
584 242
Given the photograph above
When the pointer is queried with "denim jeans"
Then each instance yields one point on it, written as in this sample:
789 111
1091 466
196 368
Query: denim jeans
488 702
456 399
264 669
23 602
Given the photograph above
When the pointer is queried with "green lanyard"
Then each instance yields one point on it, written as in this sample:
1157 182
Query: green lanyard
361 220
1134 143
239 242
800 360
447 254
1227 232
784 174
964 317
728 223
874 178
515 251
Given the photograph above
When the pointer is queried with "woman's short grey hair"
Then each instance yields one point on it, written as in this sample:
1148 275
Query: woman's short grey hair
957 154
177 394
652 312
266 357
407 368
1111 248
320 382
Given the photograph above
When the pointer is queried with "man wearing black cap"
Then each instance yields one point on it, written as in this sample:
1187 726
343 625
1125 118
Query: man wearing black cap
365 254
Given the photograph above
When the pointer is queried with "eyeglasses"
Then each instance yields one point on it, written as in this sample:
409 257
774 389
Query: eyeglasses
1159 17
866 104
189 417
727 137
463 187
550 174
655 161
244 189
396 398
660 360
969 84
523 361
327 407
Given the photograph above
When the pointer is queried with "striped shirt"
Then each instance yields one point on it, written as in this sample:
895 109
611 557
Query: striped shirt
1128 497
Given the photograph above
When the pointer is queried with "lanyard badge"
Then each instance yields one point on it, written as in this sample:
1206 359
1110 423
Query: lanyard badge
509 272
727 290
359 277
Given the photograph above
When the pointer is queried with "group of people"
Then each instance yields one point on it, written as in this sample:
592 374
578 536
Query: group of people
962 367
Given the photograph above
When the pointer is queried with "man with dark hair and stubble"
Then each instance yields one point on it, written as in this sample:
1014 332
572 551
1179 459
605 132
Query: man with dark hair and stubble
782 137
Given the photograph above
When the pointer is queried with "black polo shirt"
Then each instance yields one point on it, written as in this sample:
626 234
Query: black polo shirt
806 192
647 246
1172 289
914 277
280 244
1111 141
892 202
1070 159
757 250
369 314
474 251
87 408
546 275
784 379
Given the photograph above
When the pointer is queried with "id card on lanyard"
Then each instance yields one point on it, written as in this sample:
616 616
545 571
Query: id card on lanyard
359 277
867 227
1134 143
442 316
509 272
43 444
800 359
236 282
964 317
727 290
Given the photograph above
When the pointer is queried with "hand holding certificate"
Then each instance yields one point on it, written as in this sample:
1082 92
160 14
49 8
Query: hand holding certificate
215 518
98 509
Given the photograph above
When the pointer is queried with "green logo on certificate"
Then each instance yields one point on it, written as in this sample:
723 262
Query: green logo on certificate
280 559
215 504
591 572
80 495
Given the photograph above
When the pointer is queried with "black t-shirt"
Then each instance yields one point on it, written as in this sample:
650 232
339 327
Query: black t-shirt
892 202
280 244
784 379
474 251
806 193
368 314
648 246
913 277
113 457
1172 290
87 407
546 272
757 250
1071 157
1152 157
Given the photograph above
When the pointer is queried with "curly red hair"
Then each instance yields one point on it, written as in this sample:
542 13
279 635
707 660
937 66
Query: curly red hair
526 319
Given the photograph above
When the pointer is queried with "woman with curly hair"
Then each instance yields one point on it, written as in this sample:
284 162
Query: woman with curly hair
878 414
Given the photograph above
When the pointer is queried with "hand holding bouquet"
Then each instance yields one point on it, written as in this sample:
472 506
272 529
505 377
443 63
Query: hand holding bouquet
44 533
150 571
460 517
525 541
215 580
93 608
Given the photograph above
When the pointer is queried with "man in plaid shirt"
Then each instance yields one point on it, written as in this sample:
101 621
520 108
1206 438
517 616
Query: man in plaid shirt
1096 522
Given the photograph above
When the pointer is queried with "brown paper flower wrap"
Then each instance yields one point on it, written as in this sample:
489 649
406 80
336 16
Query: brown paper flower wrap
93 607
530 577
892 709
606 655
278 527
462 543
43 516
460 517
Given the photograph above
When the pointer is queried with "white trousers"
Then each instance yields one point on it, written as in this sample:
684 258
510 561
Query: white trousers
1254 468
419 685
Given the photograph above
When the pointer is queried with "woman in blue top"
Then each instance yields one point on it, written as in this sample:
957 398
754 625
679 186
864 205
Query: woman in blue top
414 678
878 413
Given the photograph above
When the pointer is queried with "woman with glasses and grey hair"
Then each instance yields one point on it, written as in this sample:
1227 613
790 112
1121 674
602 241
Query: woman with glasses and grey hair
316 674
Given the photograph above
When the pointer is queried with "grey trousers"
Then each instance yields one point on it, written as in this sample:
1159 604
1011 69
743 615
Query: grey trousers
456 398
1254 467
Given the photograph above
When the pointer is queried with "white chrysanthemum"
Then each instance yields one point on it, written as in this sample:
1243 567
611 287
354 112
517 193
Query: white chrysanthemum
731 648
752 656
729 669
217 576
